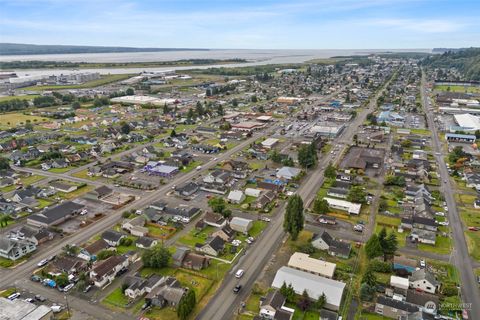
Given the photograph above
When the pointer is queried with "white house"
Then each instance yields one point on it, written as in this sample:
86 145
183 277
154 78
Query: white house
302 261
424 280
241 224
288 173
105 271
350 207
236 196
253 192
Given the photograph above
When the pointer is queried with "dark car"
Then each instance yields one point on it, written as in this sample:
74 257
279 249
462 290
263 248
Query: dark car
40 298
36 278
237 288
122 271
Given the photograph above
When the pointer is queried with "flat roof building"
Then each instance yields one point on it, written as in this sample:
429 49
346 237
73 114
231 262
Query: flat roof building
269 143
350 207
19 309
467 121
302 261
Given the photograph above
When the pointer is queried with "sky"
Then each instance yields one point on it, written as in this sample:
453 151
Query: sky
244 24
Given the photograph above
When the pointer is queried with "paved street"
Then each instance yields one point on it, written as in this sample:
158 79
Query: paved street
461 259
225 303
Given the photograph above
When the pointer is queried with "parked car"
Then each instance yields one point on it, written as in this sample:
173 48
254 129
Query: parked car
422 264
40 298
358 228
237 288
13 296
30 300
87 288
239 273
35 278
473 228
68 287
42 263
56 308
440 214
266 219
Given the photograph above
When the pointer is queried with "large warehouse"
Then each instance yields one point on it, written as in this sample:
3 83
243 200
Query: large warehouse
467 122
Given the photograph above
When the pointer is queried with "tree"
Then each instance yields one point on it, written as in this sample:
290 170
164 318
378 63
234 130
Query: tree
294 218
125 128
173 133
390 245
76 105
234 103
220 110
62 280
71 250
217 204
373 248
4 218
320 206
190 114
126 242
186 305
456 154
157 257
105 254
130 92
395 181
275 156
372 118
304 302
4 164
199 109
321 301
307 156
357 194
166 109
288 162
261 109
369 278
366 292
330 171
288 292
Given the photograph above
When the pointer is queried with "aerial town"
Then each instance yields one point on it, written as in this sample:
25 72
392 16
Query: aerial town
335 190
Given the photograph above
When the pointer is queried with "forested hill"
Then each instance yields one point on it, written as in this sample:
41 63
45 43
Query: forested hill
466 61
26 49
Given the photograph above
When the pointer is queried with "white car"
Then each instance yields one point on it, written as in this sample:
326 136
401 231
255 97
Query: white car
42 263
443 223
13 296
445 208
83 212
266 219
422 264
440 214
215 159
68 287
239 273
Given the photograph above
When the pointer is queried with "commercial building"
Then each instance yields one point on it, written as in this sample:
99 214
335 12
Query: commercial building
350 207
55 215
143 100
467 122
19 309
313 284
327 130
247 126
269 143
302 261
465 138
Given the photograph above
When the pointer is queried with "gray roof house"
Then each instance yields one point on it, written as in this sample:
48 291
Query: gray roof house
15 249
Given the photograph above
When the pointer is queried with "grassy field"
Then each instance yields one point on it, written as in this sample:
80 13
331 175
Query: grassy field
471 218
9 120
83 174
443 245
466 89
89 84
116 298
29 97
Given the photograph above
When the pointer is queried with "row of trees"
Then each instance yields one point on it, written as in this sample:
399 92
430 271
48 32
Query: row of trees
307 155
382 244
304 302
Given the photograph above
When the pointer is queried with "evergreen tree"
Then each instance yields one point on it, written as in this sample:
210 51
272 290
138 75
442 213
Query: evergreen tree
304 302
321 301
294 218
373 248
330 171
186 305
369 278
320 206
166 109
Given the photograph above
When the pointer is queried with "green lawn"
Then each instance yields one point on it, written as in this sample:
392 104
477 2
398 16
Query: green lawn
465 89
195 236
105 79
116 298
28 97
471 218
124 249
387 220
161 314
5 293
9 120
192 165
256 165
83 175
257 228
60 170
199 284
443 245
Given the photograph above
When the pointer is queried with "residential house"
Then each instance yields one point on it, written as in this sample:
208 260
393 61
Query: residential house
184 258
404 263
69 265
273 307
472 180
336 248
424 280
112 237
105 271
213 247
35 235
236 196
138 286
239 169
168 293
393 308
427 302
187 189
62 186
14 249
241 224
99 193
214 219
135 226
226 233
89 253
288 173
146 242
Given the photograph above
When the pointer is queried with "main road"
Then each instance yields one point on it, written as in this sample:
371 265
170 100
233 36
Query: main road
225 303
462 260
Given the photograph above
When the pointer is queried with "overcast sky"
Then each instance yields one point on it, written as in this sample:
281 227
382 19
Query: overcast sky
256 24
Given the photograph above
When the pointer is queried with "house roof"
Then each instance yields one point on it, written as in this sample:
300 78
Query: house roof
303 261
216 243
275 299
313 284
104 267
97 246
7 244
103 191
52 215
397 304
112 235
288 172
423 274
235 195
240 222
145 241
